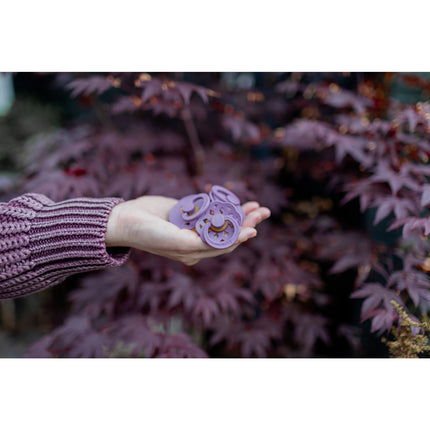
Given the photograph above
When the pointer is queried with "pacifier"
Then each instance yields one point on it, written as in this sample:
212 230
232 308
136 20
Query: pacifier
216 217
223 195
188 210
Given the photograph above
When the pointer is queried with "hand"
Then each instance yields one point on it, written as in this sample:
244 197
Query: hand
143 224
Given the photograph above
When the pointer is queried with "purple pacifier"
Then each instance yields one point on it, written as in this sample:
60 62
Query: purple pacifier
222 194
219 227
216 217
217 208
188 210
221 232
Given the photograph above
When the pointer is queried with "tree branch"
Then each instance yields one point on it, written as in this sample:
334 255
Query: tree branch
196 146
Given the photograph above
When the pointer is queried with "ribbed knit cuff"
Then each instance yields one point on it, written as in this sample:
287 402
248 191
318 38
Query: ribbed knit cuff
56 240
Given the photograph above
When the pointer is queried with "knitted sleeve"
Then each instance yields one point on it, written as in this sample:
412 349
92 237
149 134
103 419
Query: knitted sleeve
42 242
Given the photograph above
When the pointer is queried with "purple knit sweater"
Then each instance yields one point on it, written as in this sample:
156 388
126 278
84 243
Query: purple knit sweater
42 242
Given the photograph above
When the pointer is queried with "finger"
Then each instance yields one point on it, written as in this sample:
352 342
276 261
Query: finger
255 217
246 234
248 207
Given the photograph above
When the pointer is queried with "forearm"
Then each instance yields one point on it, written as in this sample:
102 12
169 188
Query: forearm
42 242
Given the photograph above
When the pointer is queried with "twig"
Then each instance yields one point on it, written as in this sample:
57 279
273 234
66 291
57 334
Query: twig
198 151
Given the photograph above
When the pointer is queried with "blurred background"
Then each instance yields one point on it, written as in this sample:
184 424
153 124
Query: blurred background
296 142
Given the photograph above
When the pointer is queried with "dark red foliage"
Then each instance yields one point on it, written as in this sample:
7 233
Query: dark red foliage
304 145
94 84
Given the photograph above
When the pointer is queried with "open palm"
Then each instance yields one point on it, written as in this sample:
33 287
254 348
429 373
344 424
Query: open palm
143 224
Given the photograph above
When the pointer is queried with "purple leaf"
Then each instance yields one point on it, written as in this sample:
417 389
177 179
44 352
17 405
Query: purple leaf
92 84
207 309
179 346
376 295
425 197
382 321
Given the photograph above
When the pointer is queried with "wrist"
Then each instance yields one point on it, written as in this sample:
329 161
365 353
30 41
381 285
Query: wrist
113 237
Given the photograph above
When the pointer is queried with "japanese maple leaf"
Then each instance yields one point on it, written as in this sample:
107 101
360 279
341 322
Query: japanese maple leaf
410 225
98 292
133 331
93 345
93 84
172 91
309 329
227 302
410 259
269 279
186 89
254 343
309 134
59 186
306 134
365 191
344 98
77 338
229 297
396 180
128 184
410 116
68 152
425 196
151 295
151 88
182 292
349 261
353 146
163 107
40 349
400 206
418 169
124 104
255 338
382 320
60 148
413 281
178 345
350 250
353 123
206 309
293 273
376 295
240 128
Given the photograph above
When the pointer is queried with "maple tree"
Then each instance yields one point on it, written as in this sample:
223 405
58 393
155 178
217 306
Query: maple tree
333 156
